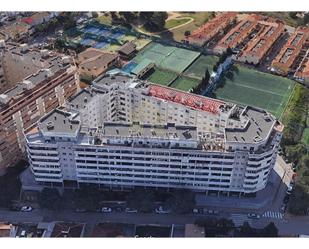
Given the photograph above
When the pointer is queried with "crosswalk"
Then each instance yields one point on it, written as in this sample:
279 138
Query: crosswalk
274 215
239 219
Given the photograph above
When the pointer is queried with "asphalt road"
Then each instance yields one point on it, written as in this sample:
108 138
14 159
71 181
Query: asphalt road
287 226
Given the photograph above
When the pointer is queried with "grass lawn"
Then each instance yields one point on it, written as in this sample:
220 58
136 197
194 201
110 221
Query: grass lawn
128 38
251 87
200 18
171 23
141 43
198 67
162 77
111 48
105 19
184 83
284 16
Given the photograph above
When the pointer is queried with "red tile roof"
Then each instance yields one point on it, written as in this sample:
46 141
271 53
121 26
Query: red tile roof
27 20
187 99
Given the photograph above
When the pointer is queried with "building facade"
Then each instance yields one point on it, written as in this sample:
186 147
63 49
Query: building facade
124 133
50 80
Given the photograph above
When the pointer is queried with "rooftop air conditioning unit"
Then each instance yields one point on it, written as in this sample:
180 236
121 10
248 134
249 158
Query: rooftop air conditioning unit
50 125
28 84
2 44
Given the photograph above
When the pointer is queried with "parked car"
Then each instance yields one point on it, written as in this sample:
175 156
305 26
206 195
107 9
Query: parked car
26 209
195 211
106 210
289 190
14 208
161 210
131 210
253 216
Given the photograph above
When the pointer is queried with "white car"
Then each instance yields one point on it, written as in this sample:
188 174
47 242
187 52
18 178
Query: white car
160 210
26 209
106 210
131 210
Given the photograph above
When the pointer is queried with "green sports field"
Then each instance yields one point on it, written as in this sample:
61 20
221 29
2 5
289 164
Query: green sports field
167 57
199 66
184 83
251 87
162 77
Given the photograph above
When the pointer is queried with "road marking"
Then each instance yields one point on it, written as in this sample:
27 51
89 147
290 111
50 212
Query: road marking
274 215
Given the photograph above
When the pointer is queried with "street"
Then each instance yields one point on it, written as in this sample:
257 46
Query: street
287 226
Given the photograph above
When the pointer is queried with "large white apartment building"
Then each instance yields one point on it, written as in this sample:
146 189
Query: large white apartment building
123 133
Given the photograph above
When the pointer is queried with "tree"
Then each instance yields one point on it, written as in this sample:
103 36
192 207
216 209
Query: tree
270 230
141 200
299 201
229 51
49 198
246 230
187 33
154 21
88 197
293 15
94 14
215 68
214 226
181 201
306 18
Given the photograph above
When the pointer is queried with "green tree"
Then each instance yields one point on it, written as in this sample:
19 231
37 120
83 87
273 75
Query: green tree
187 33
293 15
270 230
182 201
155 21
299 200
141 200
94 14
49 198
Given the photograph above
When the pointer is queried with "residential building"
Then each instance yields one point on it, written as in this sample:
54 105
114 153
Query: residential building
127 51
258 47
142 68
16 31
194 231
122 133
39 18
212 28
239 36
68 230
292 53
93 62
39 82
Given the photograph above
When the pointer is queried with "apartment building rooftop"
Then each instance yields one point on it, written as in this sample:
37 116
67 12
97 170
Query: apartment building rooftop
238 34
59 121
285 60
256 126
150 131
192 100
212 28
268 33
68 230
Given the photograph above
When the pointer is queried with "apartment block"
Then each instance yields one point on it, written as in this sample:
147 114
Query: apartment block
238 35
218 25
293 52
257 48
36 83
122 133
94 62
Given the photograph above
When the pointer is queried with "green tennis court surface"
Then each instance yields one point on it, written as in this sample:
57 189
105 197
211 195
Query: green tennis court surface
199 66
162 77
185 83
167 57
251 87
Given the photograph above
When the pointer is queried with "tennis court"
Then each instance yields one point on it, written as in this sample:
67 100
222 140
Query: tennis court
251 87
167 57
101 45
185 83
199 66
162 77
